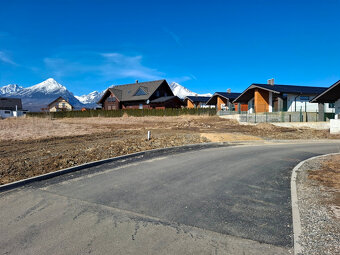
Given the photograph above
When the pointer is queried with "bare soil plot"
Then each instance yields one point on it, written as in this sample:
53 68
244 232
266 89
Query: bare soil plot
328 175
33 146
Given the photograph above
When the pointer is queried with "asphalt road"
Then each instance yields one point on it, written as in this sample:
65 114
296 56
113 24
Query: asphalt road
230 200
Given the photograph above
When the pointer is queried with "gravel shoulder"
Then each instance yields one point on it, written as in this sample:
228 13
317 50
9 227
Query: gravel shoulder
319 208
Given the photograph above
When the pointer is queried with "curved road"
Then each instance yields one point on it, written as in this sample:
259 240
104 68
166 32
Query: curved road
229 200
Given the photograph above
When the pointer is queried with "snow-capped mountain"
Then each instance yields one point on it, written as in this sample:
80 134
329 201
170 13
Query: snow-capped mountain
11 88
91 98
40 95
183 92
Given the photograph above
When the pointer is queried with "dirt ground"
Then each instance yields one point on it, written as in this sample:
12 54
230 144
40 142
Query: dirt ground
33 146
329 176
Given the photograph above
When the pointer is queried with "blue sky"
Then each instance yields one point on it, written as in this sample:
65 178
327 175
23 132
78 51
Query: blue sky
206 46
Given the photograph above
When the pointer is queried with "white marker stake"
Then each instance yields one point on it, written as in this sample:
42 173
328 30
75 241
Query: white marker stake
149 135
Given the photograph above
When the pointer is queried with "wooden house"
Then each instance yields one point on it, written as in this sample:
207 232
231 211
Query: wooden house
196 102
276 98
140 95
224 101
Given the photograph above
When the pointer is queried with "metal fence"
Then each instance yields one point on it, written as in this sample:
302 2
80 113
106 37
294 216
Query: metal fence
277 116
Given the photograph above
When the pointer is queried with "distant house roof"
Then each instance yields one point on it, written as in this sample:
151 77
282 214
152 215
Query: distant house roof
278 89
226 95
164 99
10 103
58 100
197 99
135 91
330 95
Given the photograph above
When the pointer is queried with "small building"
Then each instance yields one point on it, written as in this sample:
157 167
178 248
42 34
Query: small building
224 101
11 107
140 95
276 98
60 105
196 102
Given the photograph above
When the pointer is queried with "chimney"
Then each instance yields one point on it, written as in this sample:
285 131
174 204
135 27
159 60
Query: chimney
136 81
228 90
270 81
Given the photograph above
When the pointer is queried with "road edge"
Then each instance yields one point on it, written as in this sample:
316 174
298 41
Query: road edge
297 230
141 154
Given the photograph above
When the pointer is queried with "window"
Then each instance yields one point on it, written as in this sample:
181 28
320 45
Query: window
140 106
165 94
157 93
7 112
111 99
304 98
331 105
140 92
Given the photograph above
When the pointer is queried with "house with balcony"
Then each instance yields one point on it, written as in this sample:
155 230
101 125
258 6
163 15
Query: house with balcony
59 105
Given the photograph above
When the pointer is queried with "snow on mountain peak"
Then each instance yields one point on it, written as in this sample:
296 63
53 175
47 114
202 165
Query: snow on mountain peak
91 98
183 92
10 88
48 86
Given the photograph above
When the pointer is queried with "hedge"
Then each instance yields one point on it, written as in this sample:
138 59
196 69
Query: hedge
128 112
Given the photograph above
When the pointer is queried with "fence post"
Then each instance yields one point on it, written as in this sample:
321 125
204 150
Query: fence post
316 116
266 117
255 117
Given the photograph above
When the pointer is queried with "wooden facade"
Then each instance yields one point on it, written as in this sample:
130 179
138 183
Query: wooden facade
139 96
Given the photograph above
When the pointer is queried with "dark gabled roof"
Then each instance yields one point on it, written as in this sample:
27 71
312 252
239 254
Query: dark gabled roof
278 89
164 99
226 95
57 100
7 103
292 89
197 99
230 96
330 95
127 92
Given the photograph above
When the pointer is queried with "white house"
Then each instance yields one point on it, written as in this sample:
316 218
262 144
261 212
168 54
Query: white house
11 107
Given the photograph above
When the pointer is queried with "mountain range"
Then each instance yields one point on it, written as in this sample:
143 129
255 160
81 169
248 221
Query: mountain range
40 95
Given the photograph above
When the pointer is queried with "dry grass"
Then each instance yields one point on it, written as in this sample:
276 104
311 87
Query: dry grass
32 146
329 176
229 130
38 128
329 173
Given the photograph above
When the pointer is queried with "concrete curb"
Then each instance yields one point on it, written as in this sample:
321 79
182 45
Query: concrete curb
142 154
295 206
